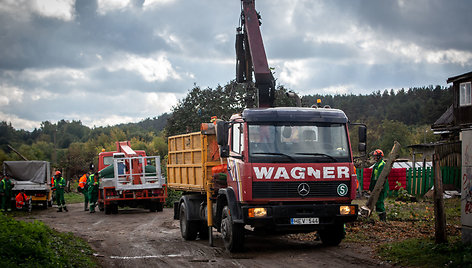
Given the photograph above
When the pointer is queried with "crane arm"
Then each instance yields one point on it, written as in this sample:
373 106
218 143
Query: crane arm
251 56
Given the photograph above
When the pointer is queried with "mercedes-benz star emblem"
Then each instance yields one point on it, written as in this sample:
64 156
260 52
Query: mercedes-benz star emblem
303 189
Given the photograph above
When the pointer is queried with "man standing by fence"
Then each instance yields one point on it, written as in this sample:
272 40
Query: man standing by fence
376 170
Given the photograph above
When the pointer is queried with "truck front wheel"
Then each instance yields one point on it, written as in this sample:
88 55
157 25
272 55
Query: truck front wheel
332 235
233 233
188 229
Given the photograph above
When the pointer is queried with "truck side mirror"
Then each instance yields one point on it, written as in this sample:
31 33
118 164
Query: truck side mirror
222 129
362 138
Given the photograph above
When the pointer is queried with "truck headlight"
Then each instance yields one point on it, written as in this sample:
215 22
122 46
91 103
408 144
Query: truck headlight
347 210
257 212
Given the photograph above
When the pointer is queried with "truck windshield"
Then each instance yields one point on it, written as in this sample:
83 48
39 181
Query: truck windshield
320 142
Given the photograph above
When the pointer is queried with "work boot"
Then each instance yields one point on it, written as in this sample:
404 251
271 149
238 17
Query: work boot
383 216
92 211
65 208
59 209
86 207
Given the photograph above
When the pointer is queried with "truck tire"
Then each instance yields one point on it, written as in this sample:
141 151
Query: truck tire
203 232
233 233
188 229
332 235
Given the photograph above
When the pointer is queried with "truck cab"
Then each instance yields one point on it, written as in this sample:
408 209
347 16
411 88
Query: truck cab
291 170
274 170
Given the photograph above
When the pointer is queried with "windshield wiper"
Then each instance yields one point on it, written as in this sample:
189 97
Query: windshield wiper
273 153
320 154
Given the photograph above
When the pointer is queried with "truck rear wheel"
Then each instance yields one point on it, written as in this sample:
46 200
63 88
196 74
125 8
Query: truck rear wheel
332 235
233 233
188 229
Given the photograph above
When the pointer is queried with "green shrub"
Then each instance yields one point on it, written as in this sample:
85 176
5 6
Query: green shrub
36 245
172 196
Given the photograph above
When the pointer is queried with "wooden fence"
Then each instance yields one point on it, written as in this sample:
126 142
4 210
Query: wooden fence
418 180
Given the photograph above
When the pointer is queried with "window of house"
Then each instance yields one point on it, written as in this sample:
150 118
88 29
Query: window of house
465 94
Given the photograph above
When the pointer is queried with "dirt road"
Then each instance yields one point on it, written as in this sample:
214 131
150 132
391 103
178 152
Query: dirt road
139 238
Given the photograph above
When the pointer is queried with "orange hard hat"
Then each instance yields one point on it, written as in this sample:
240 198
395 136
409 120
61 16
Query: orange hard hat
58 172
378 152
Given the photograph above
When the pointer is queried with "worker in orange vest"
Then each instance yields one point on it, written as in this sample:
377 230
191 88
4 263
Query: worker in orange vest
23 202
83 188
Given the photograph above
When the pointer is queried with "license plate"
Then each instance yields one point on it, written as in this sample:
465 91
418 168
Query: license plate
304 221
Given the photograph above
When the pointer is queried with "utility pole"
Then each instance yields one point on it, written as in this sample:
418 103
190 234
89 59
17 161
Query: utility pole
439 217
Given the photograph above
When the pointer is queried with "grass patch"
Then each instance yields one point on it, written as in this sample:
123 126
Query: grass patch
423 252
407 238
33 244
73 197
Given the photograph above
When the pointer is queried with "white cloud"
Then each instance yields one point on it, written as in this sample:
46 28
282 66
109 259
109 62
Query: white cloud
105 6
108 120
293 73
10 94
40 94
19 123
153 68
335 89
59 9
149 4
67 74
159 101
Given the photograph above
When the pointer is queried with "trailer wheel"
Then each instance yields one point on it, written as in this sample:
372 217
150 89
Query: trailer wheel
159 207
332 235
188 229
233 233
114 209
108 208
152 206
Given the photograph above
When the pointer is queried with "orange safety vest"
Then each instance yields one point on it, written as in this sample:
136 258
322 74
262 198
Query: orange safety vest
83 181
21 200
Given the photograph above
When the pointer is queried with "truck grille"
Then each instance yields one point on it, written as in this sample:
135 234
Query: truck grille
290 189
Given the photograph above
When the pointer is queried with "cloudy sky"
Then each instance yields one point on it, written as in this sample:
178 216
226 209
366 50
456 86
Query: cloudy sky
106 62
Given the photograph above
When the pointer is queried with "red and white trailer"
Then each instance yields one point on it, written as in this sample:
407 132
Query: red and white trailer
129 178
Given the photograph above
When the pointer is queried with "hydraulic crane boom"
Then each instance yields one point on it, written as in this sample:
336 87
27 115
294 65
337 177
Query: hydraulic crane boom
251 56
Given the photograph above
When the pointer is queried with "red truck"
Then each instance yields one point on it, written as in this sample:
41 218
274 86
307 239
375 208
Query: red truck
129 178
266 170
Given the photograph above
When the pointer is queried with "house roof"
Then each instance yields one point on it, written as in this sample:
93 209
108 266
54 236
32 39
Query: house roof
459 77
445 120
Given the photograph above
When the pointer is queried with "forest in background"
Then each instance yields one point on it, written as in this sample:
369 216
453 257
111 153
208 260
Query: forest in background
405 115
